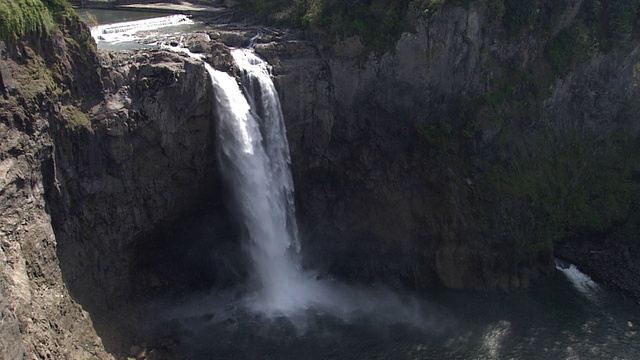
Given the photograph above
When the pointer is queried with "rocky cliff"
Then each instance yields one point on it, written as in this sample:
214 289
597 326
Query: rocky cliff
459 159
39 317
462 157
97 154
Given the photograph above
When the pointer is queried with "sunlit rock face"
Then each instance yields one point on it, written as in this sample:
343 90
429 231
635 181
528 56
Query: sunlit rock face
147 160
38 316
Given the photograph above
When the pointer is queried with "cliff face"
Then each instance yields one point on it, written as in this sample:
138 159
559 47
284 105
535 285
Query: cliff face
141 162
39 318
458 159
97 153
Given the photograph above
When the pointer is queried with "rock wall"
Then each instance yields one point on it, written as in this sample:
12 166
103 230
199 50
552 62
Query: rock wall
145 160
431 165
39 318
97 154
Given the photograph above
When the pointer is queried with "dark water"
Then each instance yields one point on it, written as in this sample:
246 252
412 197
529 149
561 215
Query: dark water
553 320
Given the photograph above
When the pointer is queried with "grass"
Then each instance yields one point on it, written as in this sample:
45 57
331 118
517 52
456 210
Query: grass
75 118
22 17
25 17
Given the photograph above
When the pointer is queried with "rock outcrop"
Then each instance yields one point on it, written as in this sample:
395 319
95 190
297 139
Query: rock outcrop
97 154
145 158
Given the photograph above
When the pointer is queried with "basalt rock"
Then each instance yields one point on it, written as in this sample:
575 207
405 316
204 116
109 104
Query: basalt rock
145 158
39 318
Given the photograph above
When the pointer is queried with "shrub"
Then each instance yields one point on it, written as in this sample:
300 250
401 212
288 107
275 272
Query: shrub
75 118
22 17
495 11
567 49
622 16
520 13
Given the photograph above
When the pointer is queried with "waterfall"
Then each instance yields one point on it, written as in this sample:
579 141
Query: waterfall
581 281
263 98
254 157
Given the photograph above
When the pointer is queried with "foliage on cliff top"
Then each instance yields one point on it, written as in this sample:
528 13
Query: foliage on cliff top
23 17
379 23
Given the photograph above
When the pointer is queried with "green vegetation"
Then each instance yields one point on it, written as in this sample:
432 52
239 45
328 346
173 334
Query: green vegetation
520 13
21 17
610 22
567 49
379 23
533 183
621 17
75 118
573 187
24 17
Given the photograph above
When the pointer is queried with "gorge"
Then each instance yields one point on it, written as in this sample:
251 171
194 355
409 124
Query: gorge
458 160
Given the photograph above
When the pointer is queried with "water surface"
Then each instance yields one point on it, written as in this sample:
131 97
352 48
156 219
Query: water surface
553 320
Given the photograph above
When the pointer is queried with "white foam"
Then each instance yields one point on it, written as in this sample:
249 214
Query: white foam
581 281
126 31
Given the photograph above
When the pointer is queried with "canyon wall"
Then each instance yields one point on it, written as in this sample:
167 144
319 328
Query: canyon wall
40 319
459 159
97 155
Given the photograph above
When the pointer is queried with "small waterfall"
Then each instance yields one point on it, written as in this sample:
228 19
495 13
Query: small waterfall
254 156
581 281
124 31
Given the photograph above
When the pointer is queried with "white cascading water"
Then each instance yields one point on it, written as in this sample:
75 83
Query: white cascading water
264 101
581 281
125 31
254 155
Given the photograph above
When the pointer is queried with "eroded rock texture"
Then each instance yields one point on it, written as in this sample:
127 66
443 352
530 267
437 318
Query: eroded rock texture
39 318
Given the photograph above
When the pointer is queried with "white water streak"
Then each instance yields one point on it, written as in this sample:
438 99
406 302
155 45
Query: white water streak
125 31
264 100
582 282
254 156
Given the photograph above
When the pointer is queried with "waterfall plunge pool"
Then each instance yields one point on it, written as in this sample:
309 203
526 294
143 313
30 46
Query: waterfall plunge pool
554 320
282 312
